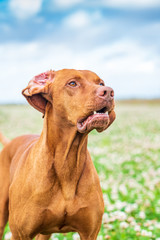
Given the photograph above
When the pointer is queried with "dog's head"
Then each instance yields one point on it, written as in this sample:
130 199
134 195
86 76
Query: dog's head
79 98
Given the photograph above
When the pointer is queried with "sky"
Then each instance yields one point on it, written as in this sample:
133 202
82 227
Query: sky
117 39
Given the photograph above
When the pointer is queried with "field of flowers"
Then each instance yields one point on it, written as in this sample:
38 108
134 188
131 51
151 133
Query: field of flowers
127 158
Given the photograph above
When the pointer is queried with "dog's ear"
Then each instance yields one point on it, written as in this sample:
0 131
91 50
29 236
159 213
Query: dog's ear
38 91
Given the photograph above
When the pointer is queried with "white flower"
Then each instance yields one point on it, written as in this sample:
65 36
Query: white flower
142 215
157 225
107 237
110 207
158 209
110 226
121 216
151 228
148 223
128 209
147 203
130 219
100 238
114 196
120 205
124 224
106 218
8 235
133 223
123 189
135 206
76 236
54 237
137 228
146 233
106 199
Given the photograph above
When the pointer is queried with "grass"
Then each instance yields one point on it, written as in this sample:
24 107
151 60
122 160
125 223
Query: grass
127 158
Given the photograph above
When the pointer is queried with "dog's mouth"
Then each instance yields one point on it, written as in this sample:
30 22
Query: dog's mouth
98 120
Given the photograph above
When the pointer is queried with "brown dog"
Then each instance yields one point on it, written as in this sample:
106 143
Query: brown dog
50 182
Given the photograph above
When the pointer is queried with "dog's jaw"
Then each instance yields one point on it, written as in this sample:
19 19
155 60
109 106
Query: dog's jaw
98 120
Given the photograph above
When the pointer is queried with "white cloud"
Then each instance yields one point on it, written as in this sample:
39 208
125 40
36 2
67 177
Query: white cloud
82 19
25 8
130 3
66 3
133 71
78 20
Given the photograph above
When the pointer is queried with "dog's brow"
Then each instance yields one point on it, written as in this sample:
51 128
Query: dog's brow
97 80
74 77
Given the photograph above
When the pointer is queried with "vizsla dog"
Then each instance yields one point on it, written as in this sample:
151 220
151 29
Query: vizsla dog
48 183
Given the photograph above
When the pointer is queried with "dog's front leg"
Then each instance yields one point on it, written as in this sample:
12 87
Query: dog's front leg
43 237
90 237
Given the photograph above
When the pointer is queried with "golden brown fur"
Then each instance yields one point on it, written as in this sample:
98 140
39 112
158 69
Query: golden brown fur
49 180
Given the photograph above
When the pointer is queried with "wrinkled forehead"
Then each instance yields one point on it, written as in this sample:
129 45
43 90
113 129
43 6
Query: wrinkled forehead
67 74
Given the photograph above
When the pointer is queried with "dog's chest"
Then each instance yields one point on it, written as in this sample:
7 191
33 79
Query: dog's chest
60 215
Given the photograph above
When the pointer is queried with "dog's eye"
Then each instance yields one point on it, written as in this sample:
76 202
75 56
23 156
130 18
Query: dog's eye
72 84
101 84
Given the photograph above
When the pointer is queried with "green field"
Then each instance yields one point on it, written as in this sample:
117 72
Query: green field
127 158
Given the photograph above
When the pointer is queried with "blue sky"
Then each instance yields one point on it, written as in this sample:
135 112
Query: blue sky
118 39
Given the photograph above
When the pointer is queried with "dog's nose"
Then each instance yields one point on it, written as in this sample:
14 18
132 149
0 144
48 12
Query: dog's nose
105 92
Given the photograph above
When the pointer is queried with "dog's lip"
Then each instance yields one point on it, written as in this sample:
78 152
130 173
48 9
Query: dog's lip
101 115
92 113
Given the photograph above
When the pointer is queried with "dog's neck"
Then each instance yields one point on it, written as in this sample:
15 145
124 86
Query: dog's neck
68 152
